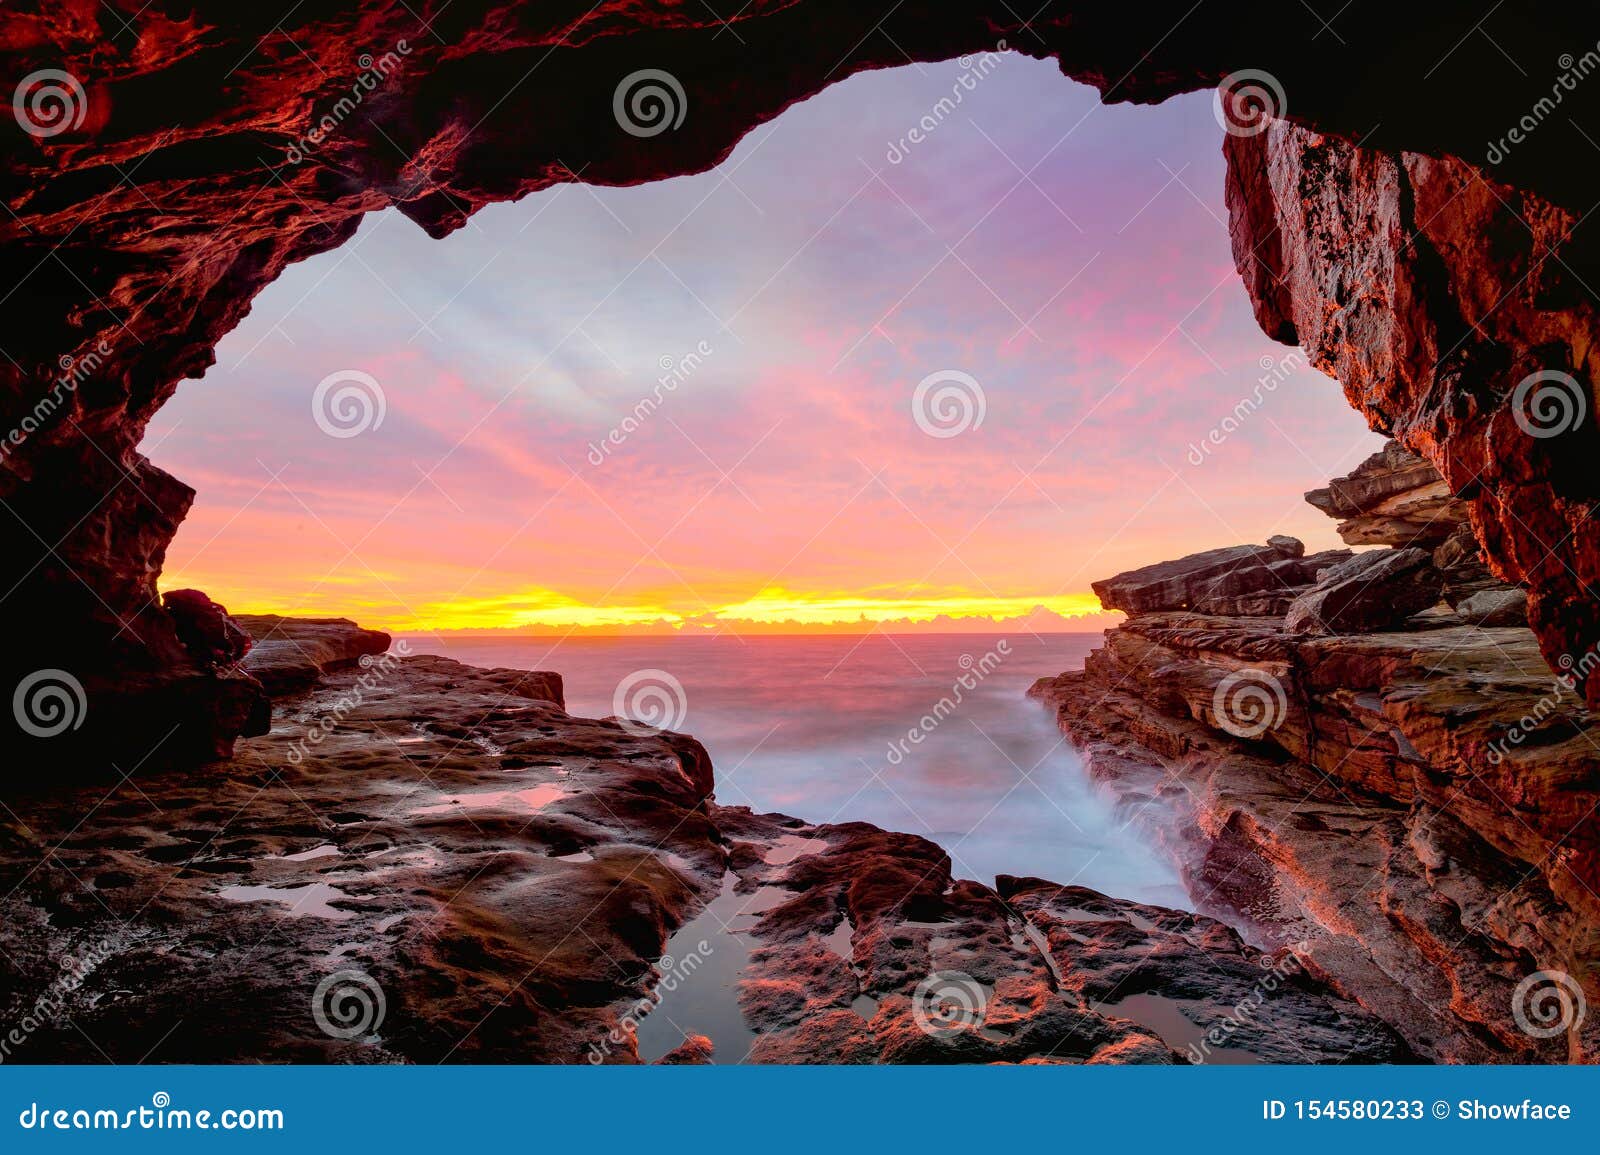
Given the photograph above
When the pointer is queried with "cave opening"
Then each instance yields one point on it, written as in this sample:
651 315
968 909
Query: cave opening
924 356
924 375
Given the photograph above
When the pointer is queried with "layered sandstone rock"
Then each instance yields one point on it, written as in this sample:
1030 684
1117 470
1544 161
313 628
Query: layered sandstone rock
289 654
1225 572
1393 498
1375 590
1413 811
1398 499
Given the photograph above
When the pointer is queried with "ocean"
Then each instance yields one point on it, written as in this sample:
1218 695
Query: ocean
925 733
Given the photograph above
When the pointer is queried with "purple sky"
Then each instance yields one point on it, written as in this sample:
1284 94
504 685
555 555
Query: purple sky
1070 259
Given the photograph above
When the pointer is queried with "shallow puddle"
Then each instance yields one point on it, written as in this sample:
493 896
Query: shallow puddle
704 999
792 846
313 899
1165 1017
533 798
326 850
840 939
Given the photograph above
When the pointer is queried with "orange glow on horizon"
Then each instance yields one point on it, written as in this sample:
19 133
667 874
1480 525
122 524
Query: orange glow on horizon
774 609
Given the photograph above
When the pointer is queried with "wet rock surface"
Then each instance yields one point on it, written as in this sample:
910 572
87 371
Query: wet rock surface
1409 811
458 870
289 654
500 871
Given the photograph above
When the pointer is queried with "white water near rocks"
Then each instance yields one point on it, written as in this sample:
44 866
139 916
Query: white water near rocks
820 727
835 728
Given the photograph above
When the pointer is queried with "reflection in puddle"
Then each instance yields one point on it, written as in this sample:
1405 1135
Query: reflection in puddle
312 899
839 940
1042 944
533 798
792 846
326 850
1165 1017
706 1002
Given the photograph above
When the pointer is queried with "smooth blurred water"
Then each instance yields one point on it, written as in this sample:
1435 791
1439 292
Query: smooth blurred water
804 725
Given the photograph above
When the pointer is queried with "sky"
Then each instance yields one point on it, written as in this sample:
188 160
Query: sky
854 377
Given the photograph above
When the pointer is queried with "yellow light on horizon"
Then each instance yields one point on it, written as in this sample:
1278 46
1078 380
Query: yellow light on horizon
536 607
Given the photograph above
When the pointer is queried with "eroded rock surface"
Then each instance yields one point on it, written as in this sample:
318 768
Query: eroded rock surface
1375 590
458 870
1411 812
1224 572
290 654
1455 311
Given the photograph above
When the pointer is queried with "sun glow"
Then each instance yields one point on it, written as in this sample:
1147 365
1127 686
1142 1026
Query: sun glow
537 609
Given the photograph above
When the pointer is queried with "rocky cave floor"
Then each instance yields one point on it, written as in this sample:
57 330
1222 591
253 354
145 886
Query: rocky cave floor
509 876
456 869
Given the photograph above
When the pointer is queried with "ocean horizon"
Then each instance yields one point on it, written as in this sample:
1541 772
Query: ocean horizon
930 734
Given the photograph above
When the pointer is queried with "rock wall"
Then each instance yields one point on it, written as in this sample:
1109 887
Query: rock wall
1458 315
200 148
1403 796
